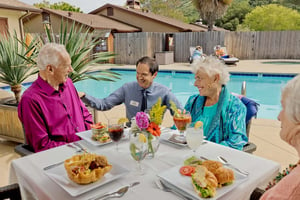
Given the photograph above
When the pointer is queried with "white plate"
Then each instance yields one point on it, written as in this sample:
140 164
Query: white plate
87 136
184 184
59 175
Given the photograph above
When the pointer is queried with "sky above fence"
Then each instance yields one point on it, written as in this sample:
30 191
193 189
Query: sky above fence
85 5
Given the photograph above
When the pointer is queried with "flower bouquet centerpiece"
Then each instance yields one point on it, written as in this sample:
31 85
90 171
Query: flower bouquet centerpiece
148 122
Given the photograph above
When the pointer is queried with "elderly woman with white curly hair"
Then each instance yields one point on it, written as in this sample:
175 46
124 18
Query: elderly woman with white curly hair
223 114
289 186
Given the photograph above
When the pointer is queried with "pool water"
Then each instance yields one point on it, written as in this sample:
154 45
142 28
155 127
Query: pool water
265 90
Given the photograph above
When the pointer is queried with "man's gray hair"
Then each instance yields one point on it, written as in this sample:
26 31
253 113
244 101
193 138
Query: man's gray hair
212 66
291 93
51 54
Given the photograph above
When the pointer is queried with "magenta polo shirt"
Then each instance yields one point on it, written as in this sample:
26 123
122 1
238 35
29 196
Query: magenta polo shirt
51 118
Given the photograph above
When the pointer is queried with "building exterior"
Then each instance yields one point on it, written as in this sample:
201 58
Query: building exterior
12 14
101 27
144 19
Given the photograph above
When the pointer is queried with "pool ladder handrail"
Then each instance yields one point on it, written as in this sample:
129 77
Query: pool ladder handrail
243 90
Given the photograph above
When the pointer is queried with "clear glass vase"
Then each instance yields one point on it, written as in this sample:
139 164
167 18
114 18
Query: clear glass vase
153 144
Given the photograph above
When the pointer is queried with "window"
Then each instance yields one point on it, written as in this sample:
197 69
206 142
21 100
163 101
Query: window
46 18
3 25
110 11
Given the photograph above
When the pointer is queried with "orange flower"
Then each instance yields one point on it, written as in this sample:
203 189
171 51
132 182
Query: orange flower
154 129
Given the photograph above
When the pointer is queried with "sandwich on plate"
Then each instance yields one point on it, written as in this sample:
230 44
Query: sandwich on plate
204 182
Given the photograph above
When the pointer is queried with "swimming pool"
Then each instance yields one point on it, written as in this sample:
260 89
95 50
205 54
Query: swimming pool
263 88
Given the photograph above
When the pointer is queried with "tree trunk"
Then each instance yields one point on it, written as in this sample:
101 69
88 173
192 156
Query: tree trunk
16 89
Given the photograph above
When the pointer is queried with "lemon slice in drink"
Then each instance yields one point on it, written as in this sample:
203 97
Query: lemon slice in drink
142 138
198 124
123 120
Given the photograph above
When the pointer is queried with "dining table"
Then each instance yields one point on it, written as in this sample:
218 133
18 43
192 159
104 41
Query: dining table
37 183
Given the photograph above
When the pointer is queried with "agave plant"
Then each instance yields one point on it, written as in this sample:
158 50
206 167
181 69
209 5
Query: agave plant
79 45
14 69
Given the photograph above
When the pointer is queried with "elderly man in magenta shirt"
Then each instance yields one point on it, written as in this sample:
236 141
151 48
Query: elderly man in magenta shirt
50 109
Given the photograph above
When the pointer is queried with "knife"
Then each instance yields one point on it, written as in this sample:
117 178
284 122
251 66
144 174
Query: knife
53 165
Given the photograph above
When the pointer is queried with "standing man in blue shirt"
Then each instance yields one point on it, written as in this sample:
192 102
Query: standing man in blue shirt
138 95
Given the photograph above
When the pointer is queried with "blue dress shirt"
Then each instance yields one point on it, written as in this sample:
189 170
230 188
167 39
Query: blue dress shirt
131 95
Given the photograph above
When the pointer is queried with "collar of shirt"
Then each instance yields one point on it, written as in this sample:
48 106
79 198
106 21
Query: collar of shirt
48 89
149 89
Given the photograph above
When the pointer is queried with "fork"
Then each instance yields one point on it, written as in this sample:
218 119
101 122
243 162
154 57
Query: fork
73 147
161 185
80 146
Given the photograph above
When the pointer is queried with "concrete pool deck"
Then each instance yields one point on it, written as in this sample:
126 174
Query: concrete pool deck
264 132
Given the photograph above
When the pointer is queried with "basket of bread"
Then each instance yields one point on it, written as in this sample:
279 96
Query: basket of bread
207 176
87 168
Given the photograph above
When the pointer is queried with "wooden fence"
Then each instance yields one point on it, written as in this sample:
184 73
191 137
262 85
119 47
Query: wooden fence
129 47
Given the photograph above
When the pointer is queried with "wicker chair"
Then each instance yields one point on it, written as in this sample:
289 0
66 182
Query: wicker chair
11 192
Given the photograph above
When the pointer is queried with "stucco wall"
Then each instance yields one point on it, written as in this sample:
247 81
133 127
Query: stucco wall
12 19
33 25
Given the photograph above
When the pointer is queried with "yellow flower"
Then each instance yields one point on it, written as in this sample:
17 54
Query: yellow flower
157 112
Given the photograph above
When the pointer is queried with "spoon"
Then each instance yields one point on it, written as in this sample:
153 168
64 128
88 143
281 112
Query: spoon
161 185
117 194
225 162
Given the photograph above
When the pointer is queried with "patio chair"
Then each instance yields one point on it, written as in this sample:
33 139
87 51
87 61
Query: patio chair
11 192
228 59
192 49
256 194
24 149
252 108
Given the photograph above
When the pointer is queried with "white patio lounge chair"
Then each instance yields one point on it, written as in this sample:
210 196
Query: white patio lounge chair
231 60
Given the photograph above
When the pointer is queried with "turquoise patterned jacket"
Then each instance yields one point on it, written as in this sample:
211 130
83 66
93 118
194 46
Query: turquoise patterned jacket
228 126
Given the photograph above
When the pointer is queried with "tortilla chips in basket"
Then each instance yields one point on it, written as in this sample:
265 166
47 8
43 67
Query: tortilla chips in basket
86 168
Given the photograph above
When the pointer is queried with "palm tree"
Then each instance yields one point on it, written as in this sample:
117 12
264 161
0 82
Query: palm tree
80 45
14 69
210 10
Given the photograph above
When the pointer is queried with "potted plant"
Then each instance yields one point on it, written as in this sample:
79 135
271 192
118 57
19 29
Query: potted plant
14 69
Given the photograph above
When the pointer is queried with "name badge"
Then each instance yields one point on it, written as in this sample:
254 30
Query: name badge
134 103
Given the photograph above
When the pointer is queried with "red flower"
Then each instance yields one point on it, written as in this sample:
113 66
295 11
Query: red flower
154 129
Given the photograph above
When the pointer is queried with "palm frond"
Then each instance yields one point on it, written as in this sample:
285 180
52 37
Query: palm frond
80 44
14 60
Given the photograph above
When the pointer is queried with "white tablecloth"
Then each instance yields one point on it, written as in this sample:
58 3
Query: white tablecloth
35 184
